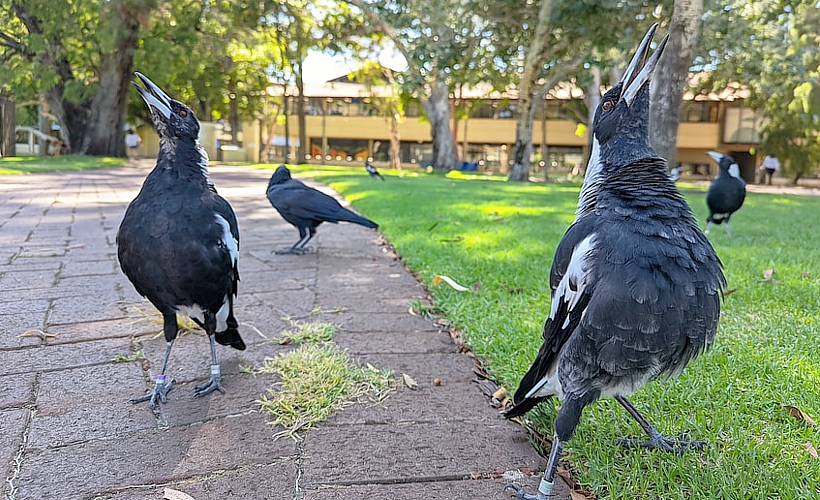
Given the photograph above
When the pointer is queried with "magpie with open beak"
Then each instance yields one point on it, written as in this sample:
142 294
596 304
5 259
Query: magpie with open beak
636 286
178 242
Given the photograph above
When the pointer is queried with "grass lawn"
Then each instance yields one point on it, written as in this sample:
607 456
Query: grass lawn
35 164
499 238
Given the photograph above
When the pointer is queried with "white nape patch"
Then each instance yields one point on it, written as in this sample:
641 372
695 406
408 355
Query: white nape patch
194 312
227 238
222 315
734 170
577 273
593 179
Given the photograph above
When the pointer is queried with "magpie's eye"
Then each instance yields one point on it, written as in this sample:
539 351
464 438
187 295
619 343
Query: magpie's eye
607 105
182 113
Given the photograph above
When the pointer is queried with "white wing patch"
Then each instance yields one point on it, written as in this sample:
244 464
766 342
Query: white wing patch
228 240
575 280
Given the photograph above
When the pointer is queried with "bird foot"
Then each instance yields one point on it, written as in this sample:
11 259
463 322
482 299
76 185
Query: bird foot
161 390
678 446
523 495
293 251
213 384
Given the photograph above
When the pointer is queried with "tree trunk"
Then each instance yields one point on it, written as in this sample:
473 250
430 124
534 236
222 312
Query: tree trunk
104 133
395 142
8 124
671 76
522 149
593 98
437 107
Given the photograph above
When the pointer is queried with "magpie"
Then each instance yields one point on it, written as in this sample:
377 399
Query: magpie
372 170
636 286
726 193
305 208
178 242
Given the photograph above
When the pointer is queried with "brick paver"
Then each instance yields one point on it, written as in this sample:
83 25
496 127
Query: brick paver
68 430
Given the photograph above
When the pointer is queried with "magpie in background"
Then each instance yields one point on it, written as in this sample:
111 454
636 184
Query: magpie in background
636 286
372 170
178 242
305 208
726 193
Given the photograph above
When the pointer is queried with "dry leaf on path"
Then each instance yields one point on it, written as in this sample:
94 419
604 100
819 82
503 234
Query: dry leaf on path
39 333
810 448
799 414
409 382
171 494
439 278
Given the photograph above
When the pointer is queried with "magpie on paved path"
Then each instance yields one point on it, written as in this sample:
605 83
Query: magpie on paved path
726 193
305 208
178 242
636 286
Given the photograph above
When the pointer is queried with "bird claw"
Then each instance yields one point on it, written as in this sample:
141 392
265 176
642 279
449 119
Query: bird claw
160 392
678 446
520 493
214 384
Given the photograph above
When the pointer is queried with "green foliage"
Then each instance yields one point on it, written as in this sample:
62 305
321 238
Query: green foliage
502 237
773 47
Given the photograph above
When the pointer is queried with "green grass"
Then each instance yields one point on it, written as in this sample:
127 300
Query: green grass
36 164
308 332
501 237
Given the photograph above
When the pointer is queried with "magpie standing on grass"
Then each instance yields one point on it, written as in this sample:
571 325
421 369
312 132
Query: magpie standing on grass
726 193
305 208
636 286
179 241
374 173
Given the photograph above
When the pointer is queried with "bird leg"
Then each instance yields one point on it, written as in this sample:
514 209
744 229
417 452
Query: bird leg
728 231
656 439
215 382
548 481
708 227
161 389
311 234
297 249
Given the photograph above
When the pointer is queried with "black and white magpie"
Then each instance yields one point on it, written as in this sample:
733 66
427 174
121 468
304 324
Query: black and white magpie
726 193
305 208
178 242
636 286
373 171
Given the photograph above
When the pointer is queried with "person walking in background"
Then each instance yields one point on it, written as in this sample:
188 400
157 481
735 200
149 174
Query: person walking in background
770 166
132 142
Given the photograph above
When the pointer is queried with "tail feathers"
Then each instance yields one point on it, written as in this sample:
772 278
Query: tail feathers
358 219
522 407
230 336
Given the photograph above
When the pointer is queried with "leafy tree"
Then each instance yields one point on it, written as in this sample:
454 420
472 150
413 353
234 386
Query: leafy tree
772 47
79 56
444 43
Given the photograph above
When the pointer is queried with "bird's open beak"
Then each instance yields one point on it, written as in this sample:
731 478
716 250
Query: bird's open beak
715 155
640 69
153 96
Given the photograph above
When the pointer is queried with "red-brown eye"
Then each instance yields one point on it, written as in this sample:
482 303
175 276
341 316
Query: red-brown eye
182 113
607 105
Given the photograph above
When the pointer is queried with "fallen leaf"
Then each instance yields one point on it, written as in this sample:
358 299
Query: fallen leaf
810 448
799 414
767 274
729 292
409 382
74 247
39 333
500 393
171 494
805 275
577 495
439 278
452 240
412 312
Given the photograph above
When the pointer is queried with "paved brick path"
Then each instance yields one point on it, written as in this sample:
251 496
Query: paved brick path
67 429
